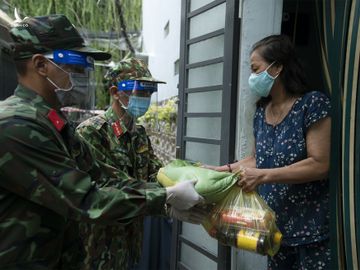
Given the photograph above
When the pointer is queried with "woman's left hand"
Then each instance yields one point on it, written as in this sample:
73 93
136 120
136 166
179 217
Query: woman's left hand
250 179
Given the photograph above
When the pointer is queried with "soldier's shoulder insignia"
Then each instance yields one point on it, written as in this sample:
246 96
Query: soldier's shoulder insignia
117 128
95 122
56 120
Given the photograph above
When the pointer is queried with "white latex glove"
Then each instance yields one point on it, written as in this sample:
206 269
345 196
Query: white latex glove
183 195
193 215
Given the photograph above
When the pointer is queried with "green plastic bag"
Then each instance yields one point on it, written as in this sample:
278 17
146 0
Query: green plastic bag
212 185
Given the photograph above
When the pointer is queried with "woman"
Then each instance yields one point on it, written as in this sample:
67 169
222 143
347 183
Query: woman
291 161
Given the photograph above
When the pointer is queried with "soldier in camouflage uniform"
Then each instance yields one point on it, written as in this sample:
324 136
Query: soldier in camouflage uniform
116 139
47 174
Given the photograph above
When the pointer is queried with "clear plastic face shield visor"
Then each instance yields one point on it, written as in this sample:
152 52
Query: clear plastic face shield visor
137 96
75 84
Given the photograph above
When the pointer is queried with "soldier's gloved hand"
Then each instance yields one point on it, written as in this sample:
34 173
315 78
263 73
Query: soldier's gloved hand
183 195
193 215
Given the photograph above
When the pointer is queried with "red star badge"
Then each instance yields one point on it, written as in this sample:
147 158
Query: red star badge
117 128
56 120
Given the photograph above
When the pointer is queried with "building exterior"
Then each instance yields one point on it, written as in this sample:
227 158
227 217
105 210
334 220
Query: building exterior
161 43
216 108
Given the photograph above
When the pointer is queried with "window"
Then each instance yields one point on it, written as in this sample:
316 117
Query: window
207 112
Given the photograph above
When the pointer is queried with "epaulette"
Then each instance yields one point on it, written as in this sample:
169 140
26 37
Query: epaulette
14 106
96 122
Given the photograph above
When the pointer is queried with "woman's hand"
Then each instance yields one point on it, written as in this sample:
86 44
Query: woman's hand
251 178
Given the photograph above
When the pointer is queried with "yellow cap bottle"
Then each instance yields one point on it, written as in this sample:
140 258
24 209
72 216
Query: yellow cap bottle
251 240
277 238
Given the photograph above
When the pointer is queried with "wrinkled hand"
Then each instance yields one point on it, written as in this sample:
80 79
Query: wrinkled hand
183 195
193 215
250 178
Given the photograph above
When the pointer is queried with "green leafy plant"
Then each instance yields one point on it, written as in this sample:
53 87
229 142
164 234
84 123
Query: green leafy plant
97 15
160 116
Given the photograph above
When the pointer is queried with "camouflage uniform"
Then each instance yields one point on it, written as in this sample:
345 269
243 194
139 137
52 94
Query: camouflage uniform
130 152
114 247
130 69
48 179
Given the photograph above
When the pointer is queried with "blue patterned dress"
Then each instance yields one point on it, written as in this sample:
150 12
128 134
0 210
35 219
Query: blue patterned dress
302 210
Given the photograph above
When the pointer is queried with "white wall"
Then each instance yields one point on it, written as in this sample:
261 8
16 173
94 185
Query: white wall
162 51
260 18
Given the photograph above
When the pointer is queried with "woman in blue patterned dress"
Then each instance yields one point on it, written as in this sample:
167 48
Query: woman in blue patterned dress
292 149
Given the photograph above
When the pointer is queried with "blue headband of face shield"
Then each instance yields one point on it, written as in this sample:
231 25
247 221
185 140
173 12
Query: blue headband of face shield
130 85
67 57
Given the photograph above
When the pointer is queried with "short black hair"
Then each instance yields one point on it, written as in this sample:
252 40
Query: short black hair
279 49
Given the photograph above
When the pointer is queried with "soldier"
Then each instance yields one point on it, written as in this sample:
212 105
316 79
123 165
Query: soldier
47 174
116 139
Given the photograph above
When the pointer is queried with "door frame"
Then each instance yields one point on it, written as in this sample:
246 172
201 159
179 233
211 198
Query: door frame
229 106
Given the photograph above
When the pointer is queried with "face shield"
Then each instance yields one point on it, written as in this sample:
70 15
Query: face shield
136 96
79 86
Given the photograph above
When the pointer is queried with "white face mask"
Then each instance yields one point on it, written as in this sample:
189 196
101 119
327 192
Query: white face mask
77 93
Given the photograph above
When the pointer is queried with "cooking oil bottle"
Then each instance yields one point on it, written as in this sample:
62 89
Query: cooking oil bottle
252 240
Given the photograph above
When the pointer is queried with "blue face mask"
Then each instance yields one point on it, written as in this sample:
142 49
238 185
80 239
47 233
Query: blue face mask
261 83
138 106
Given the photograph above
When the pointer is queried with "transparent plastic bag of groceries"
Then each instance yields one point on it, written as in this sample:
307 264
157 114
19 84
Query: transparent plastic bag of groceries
243 220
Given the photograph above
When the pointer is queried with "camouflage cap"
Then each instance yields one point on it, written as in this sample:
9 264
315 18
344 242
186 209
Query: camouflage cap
130 69
47 33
